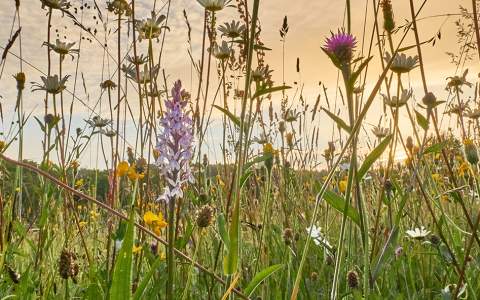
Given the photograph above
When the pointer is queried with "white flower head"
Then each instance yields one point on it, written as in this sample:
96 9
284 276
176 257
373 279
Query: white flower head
318 238
418 233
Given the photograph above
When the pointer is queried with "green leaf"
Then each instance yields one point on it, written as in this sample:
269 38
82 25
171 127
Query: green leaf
338 203
357 73
373 156
245 177
230 263
260 277
236 120
337 120
263 91
334 60
435 148
143 284
222 230
122 273
231 116
421 120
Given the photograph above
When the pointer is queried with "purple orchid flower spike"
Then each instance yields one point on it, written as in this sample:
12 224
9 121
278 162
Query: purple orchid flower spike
174 145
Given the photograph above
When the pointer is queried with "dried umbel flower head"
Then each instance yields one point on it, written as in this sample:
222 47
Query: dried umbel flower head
340 47
68 267
471 153
119 7
353 280
204 216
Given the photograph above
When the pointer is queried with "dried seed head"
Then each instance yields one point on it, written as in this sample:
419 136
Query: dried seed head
14 276
388 21
435 240
288 236
352 279
388 186
409 144
20 77
49 119
281 126
314 276
204 216
429 100
471 153
67 265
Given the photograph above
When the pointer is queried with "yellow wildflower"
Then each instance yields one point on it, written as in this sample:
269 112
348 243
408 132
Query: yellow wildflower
79 183
463 169
437 178
342 185
136 249
220 182
94 215
122 168
154 222
133 174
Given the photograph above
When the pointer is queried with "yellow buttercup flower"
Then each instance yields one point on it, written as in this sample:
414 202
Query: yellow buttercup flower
79 183
437 178
133 174
122 168
342 185
94 215
136 249
155 222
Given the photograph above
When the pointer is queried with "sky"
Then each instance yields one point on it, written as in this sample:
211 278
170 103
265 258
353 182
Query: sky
310 22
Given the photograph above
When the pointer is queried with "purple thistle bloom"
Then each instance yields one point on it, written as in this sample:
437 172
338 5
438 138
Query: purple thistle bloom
341 45
174 145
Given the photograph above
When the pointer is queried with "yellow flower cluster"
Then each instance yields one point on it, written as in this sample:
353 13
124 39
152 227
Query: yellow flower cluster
129 170
155 222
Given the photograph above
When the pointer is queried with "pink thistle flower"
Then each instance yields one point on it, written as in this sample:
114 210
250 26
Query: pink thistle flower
341 46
